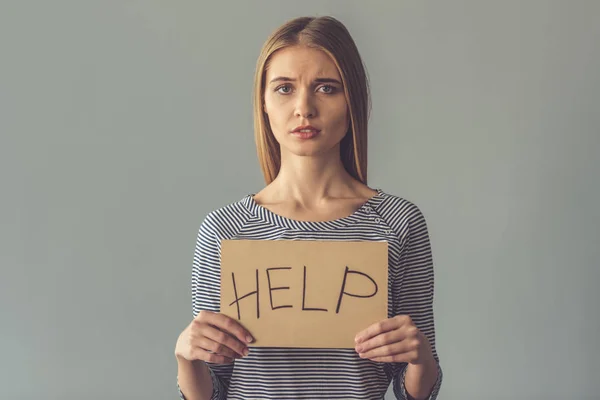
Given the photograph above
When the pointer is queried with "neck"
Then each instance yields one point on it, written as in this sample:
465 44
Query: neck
310 179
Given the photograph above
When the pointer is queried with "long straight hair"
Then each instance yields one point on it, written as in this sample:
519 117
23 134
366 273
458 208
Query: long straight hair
330 36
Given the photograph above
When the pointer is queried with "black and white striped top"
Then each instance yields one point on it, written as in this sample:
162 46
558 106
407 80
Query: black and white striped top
299 373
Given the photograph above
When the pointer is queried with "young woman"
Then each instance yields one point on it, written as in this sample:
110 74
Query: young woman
311 111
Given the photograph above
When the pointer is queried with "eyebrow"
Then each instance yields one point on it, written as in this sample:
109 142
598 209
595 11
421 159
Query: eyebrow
318 80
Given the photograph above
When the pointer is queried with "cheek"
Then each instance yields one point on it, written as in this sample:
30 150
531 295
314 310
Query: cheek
341 118
270 105
277 113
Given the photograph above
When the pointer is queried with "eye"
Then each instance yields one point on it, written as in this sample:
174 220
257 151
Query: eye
278 89
329 89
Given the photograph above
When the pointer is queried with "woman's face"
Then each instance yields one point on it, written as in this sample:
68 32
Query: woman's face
303 87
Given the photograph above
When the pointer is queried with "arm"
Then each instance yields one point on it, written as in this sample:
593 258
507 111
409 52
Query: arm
198 379
415 288
193 379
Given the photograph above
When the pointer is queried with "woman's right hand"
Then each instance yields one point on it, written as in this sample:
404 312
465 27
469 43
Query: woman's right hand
213 337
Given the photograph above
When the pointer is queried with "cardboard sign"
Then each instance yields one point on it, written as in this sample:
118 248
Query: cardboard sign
304 293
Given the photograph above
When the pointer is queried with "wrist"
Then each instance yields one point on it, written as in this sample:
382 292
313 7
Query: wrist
420 378
427 361
181 359
425 369
196 363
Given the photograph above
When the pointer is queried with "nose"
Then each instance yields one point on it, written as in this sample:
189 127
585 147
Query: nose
305 105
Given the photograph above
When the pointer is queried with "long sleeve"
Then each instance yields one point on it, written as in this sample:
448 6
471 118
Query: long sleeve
414 288
206 286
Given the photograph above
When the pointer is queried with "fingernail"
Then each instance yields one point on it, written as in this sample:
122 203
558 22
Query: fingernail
246 352
249 339
358 339
359 349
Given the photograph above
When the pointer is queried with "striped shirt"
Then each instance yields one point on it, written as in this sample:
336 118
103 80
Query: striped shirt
301 373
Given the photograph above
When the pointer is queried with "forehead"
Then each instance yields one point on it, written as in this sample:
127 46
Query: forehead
301 62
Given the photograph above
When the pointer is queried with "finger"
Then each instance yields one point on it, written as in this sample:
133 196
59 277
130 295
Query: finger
388 350
377 329
210 345
230 326
380 340
204 355
390 359
225 339
396 358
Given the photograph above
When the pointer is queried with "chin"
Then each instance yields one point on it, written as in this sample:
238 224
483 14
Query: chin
309 149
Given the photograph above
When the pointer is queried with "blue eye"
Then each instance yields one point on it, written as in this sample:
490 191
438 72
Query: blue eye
283 87
331 89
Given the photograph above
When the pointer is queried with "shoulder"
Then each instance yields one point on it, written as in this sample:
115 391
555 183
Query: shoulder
399 207
402 214
225 221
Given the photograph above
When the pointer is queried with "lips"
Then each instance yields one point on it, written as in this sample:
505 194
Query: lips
305 135
305 131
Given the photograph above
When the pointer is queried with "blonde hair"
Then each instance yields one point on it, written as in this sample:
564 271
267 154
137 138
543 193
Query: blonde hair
330 36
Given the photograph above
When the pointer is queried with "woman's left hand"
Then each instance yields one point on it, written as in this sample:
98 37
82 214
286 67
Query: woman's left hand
395 339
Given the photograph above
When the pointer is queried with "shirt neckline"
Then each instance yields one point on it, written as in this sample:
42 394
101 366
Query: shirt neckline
263 213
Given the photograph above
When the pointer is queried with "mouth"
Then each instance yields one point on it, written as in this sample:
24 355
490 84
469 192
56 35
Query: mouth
305 132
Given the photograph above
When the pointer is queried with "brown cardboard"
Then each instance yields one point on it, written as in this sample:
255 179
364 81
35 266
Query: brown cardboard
303 307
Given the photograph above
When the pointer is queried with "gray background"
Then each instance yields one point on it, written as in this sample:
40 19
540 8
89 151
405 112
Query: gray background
124 122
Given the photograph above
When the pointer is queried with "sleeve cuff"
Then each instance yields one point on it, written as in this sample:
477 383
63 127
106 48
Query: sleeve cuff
218 389
181 396
400 388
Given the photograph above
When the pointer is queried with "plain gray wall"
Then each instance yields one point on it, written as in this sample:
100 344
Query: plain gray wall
124 122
